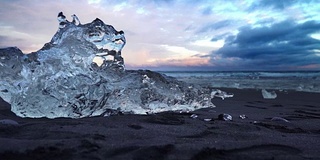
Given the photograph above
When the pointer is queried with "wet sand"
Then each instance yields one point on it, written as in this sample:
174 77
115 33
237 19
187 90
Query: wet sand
263 134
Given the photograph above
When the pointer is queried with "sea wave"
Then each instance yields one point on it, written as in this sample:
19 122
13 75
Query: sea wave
306 81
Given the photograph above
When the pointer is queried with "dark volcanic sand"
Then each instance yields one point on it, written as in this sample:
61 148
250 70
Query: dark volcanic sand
174 135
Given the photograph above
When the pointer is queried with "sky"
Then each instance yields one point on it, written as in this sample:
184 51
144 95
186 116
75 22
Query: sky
222 35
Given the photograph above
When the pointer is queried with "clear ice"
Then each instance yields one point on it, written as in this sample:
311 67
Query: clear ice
268 95
61 79
221 94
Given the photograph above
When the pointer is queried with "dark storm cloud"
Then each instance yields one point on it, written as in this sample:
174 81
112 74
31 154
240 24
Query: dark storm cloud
282 44
215 26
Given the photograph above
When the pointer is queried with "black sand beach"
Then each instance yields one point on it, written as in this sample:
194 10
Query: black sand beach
261 135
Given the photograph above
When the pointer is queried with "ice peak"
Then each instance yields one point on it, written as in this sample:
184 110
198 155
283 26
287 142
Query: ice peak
103 39
98 21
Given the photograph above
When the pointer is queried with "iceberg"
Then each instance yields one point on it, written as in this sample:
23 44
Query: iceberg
62 80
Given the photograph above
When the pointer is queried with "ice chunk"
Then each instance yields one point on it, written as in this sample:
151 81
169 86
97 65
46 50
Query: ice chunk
279 119
221 94
207 119
242 116
225 117
194 116
268 95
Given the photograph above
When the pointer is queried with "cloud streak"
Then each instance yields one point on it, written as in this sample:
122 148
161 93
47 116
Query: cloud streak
216 26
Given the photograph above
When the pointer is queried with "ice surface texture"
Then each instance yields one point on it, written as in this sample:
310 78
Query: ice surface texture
61 80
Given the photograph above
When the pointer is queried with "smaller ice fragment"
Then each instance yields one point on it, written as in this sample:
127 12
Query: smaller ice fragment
279 119
221 94
242 116
268 95
207 119
225 117
194 116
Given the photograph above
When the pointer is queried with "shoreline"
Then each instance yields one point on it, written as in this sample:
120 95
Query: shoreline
263 134
297 85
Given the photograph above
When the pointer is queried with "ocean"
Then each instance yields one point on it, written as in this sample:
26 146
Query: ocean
306 81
